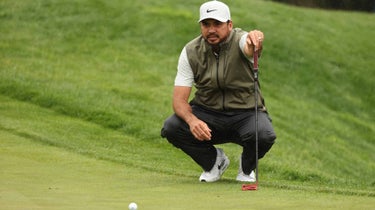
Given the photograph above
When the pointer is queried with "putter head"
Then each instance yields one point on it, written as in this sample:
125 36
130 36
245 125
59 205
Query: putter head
252 186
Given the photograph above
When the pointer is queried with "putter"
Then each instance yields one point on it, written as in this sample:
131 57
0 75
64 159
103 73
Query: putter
254 186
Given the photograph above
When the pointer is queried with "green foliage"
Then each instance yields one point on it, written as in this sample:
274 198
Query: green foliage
112 63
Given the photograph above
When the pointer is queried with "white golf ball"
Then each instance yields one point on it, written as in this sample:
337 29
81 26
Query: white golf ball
133 206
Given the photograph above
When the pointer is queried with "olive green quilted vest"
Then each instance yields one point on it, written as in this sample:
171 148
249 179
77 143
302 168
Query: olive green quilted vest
224 81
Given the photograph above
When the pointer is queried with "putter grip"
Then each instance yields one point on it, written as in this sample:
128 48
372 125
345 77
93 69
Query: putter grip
255 60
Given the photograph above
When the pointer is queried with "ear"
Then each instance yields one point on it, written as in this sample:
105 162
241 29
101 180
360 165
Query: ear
230 25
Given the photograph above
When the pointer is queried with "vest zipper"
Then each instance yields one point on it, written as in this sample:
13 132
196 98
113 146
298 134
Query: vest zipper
217 55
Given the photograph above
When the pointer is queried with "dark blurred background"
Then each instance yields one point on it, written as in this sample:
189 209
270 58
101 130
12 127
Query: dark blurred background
355 5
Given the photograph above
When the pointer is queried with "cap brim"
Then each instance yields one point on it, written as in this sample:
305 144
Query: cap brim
223 20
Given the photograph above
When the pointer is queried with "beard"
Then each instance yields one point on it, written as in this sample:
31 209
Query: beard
213 39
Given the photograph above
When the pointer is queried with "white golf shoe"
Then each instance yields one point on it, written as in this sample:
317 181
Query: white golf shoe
242 177
221 164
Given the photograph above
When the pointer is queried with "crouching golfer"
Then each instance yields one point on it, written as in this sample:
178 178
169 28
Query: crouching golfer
218 63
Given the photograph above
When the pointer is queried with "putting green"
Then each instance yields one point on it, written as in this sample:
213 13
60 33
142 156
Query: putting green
36 176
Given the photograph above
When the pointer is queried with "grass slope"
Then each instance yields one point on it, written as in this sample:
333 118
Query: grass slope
112 64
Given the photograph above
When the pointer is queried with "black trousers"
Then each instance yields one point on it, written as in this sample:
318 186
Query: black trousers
227 127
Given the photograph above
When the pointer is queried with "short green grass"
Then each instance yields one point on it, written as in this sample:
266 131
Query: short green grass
39 174
92 80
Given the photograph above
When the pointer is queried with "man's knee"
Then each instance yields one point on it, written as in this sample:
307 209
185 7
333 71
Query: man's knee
174 128
169 126
266 131
267 136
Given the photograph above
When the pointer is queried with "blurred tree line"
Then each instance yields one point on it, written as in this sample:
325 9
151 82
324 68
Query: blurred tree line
358 5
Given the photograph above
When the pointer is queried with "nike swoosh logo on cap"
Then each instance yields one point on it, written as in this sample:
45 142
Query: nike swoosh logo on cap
210 10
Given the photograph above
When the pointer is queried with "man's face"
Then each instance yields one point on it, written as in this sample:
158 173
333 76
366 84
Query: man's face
214 31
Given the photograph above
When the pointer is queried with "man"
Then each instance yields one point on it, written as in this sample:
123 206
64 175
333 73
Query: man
219 62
